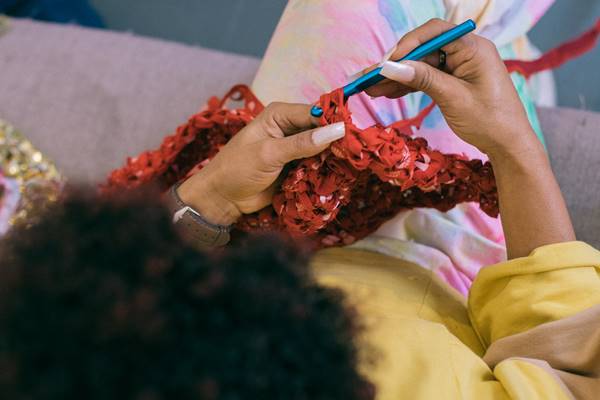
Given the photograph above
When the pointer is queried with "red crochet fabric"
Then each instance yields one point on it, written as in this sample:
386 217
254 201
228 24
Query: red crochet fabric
349 190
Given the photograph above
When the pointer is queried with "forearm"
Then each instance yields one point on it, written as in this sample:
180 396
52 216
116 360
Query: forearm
532 207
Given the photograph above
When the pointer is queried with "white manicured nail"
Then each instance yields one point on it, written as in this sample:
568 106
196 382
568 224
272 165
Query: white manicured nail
398 72
329 133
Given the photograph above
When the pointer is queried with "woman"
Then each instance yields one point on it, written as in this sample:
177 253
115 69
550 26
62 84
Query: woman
529 330
516 310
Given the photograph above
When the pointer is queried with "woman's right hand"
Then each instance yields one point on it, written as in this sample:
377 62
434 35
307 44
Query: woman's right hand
478 100
474 90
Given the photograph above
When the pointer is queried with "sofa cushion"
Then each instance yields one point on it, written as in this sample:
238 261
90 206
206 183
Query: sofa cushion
89 98
573 139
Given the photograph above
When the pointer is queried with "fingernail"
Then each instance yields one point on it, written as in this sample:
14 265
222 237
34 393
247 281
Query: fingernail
398 72
329 133
386 56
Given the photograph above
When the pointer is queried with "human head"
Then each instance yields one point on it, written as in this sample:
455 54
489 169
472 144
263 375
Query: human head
102 300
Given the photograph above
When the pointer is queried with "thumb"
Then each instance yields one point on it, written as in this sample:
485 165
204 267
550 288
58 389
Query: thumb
440 86
306 144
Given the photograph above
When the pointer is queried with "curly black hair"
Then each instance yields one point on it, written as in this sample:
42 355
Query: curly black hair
101 299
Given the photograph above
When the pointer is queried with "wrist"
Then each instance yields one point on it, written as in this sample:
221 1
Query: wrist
198 193
525 155
519 144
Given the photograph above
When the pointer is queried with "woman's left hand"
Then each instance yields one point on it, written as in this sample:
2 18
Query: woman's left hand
241 178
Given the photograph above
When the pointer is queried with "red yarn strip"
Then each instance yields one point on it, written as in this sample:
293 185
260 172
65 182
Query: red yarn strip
349 190
559 55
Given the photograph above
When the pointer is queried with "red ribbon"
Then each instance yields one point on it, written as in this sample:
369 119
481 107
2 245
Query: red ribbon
559 55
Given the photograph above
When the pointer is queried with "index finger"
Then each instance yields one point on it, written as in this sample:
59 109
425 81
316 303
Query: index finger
408 43
285 119
430 30
420 35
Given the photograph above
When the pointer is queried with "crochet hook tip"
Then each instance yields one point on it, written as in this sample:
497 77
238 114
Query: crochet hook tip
316 111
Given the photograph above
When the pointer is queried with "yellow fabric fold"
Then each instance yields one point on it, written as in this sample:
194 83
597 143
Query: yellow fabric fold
554 282
421 341
525 380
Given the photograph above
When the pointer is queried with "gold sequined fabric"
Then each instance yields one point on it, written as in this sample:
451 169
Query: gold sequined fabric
39 181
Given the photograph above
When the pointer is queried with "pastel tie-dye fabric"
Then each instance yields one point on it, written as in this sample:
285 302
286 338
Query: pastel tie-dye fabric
318 44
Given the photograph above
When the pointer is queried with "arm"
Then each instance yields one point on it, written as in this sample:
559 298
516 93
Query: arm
538 315
531 205
481 105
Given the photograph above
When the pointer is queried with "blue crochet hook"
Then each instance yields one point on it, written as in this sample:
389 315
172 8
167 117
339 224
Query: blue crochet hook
371 78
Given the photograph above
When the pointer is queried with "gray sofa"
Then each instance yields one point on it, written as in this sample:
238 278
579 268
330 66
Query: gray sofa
89 98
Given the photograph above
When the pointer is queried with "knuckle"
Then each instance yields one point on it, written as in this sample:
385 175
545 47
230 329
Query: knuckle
434 21
479 49
302 142
408 38
471 42
487 44
409 41
273 108
265 152
299 146
471 48
425 80
275 104
273 117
